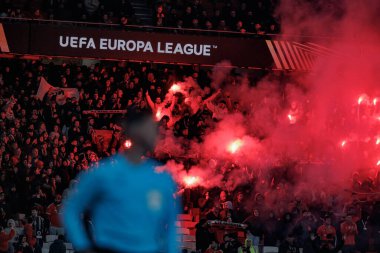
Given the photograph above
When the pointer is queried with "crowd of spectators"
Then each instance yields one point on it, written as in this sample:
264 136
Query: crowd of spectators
239 16
311 221
45 144
98 11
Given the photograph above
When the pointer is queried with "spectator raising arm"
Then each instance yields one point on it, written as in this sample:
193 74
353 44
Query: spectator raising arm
151 104
213 97
208 101
5 238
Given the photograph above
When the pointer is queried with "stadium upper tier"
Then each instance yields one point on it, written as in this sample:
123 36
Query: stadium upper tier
233 16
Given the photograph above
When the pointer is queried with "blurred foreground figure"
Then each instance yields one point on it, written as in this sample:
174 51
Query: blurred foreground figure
131 206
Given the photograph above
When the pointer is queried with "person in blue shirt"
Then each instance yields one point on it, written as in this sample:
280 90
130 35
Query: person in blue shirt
131 206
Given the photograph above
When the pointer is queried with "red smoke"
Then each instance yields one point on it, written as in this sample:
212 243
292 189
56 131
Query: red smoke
321 121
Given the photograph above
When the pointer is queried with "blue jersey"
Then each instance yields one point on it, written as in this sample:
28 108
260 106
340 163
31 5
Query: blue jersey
132 208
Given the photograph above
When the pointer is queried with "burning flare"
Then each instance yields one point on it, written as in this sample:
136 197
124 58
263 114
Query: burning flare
362 98
343 143
128 144
292 119
234 146
190 181
175 88
158 114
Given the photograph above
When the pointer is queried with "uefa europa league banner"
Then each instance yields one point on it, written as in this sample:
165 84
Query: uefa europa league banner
145 46
102 43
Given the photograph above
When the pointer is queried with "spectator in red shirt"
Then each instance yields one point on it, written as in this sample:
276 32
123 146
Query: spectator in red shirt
53 212
327 233
28 231
349 230
5 238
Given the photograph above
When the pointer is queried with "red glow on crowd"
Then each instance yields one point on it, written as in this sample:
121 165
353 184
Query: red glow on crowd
190 181
128 144
234 146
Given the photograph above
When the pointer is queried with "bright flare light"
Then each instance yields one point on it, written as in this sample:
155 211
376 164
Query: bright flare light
128 144
343 144
234 146
292 119
190 181
158 114
363 98
374 101
378 163
175 88
377 141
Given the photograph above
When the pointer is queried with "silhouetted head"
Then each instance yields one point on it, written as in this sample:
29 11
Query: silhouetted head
141 129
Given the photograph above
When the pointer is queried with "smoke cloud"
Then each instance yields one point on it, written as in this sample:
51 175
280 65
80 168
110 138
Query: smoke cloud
314 123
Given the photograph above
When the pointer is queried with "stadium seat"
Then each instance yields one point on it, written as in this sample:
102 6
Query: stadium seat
187 224
69 246
269 249
46 245
183 231
189 245
51 238
184 217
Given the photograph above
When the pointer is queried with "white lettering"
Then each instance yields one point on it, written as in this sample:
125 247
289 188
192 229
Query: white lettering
112 46
63 44
74 42
131 45
136 46
103 44
121 45
169 48
91 44
188 49
178 49
82 41
148 47
159 50
140 45
207 50
199 51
